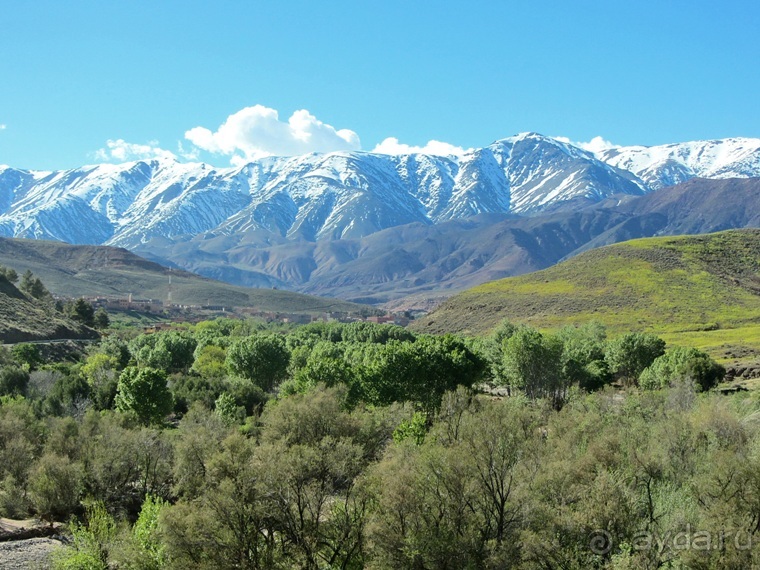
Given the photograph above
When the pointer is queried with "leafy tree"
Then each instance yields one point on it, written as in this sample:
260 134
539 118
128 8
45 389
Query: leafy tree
144 392
116 348
70 394
209 361
91 542
101 319
413 430
363 332
32 286
9 273
261 358
142 547
681 363
629 354
180 347
100 370
80 311
227 409
13 381
187 389
533 362
324 363
27 353
583 355
420 371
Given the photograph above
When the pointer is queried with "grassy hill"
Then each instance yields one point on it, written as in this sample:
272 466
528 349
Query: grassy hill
22 319
695 290
80 270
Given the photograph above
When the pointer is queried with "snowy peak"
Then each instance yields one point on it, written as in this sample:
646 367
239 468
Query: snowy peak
344 194
667 165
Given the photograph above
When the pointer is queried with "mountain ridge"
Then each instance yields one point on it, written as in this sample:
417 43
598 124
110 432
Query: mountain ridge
313 223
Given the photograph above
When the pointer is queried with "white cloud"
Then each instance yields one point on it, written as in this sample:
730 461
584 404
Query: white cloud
596 145
3 126
255 132
122 150
391 145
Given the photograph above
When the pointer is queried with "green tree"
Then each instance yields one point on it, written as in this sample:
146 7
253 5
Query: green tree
629 354
583 355
261 358
32 286
209 361
9 273
91 542
100 370
180 347
13 381
27 353
80 311
144 392
681 363
101 319
533 362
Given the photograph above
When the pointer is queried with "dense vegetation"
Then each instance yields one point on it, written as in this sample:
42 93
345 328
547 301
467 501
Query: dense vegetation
230 445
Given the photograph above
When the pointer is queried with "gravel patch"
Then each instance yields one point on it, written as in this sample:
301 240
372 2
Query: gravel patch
30 554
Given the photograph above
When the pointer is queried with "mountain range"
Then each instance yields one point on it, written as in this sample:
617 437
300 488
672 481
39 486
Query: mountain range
375 227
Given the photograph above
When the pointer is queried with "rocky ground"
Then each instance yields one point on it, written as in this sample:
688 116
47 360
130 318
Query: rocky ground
27 544
29 554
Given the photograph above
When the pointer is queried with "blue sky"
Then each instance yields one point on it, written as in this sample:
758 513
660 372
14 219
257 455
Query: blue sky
142 75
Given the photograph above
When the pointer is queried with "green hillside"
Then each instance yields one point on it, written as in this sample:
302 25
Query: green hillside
22 319
696 290
82 270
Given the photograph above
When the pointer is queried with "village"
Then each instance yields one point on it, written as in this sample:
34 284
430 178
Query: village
171 313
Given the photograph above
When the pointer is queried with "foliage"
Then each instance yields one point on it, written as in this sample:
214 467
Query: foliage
144 392
27 353
80 311
13 381
681 363
533 362
9 273
377 453
101 320
413 430
262 358
210 361
32 286
55 484
91 542
629 354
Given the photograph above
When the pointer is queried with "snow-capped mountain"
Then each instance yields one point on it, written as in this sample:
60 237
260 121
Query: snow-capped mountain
312 197
344 194
671 164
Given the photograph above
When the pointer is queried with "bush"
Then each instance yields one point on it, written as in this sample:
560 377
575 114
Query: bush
13 381
681 363
54 486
